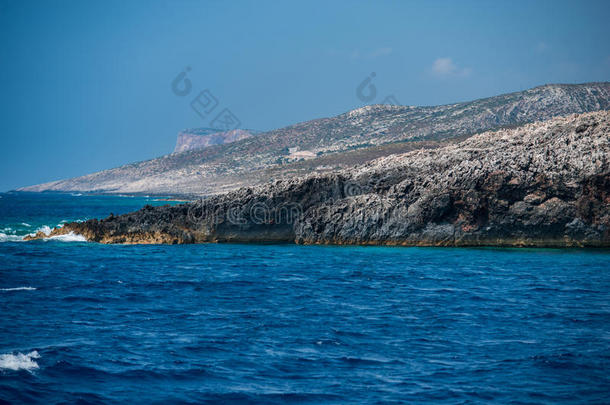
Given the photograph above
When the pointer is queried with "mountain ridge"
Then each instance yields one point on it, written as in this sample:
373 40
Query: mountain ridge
369 130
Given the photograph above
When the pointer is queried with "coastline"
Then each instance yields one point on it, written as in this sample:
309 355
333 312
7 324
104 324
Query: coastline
540 185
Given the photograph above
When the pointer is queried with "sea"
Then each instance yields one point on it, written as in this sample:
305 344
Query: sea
88 323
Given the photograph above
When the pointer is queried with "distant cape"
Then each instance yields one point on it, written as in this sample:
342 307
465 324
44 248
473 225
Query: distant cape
200 138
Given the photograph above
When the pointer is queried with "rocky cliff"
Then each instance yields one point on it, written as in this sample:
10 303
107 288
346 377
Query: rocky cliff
200 138
541 184
355 137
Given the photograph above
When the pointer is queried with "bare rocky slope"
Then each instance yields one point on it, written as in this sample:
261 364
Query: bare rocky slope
540 184
337 143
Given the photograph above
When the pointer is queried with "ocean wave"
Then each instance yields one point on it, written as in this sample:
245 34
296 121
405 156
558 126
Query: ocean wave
19 361
46 229
10 238
69 237
18 289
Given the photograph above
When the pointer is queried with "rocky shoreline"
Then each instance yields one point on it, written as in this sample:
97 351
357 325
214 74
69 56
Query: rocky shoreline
545 184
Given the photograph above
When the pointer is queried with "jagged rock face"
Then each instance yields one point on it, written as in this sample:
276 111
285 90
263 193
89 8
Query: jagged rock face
542 184
256 160
200 138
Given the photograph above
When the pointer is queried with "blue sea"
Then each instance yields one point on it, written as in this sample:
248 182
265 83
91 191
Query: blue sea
89 323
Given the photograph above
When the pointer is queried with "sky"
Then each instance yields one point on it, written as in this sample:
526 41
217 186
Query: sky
91 85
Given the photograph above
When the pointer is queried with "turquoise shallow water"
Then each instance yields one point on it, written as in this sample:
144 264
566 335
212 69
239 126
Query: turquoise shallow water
282 323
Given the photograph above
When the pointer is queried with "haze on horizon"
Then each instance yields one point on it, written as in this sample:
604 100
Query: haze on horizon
88 85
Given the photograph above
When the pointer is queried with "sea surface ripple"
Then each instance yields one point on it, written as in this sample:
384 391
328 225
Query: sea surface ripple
90 323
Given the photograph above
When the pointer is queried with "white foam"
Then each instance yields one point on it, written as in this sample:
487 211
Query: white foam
26 224
19 361
18 289
46 229
10 238
69 237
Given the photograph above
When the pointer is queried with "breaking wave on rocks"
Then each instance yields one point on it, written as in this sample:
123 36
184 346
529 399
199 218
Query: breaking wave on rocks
9 235
69 237
19 361
46 229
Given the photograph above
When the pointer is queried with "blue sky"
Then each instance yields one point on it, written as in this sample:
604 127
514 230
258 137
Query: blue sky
87 85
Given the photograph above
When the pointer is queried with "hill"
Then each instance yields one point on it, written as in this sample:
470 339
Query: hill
336 143
541 184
